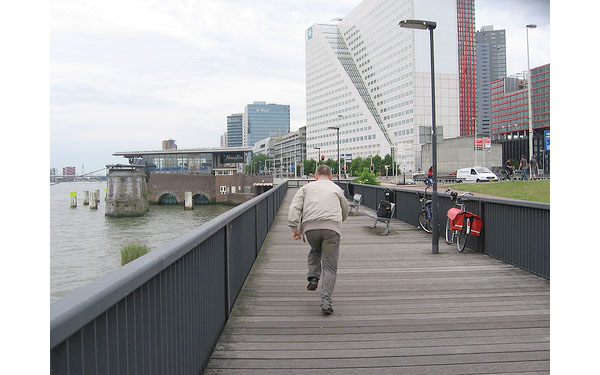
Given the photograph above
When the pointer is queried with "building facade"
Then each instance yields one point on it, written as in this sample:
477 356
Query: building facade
285 153
169 144
223 140
288 153
491 66
465 11
371 79
510 117
69 171
235 126
261 120
189 161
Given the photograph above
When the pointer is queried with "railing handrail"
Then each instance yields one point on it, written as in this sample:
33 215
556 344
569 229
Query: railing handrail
514 231
73 311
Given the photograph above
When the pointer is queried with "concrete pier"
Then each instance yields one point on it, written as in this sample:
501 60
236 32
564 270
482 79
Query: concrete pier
86 198
127 193
94 201
189 203
73 199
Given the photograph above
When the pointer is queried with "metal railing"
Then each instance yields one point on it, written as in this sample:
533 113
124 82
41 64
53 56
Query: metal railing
516 232
164 312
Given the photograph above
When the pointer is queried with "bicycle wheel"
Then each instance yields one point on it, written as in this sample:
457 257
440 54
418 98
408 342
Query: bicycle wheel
449 233
424 222
461 241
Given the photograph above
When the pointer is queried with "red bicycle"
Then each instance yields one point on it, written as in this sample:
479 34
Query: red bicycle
461 223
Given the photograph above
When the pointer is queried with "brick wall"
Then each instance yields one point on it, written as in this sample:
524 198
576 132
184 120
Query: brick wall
209 186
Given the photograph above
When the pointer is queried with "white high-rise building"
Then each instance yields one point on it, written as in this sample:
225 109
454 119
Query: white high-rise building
371 78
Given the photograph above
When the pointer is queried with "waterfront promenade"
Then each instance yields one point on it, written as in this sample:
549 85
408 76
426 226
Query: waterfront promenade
398 310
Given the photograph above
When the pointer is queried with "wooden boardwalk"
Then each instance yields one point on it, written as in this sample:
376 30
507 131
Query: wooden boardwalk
398 310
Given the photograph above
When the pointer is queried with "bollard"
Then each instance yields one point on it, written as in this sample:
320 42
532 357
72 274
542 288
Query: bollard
189 204
86 198
73 199
94 201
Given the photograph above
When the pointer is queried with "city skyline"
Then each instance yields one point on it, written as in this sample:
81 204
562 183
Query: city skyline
127 76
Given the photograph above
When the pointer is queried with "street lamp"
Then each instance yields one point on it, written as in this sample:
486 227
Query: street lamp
531 26
435 230
337 129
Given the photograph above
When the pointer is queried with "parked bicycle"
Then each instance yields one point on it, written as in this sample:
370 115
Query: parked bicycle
507 174
426 215
461 223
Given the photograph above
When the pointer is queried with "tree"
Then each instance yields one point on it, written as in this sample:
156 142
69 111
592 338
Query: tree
366 177
310 166
257 163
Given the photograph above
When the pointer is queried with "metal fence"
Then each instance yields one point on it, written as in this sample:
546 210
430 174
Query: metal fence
164 312
516 232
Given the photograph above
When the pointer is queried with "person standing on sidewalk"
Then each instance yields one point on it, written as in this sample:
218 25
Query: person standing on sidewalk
316 213
533 164
524 167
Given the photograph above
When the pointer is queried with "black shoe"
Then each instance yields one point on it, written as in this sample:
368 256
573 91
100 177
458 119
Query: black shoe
312 283
327 310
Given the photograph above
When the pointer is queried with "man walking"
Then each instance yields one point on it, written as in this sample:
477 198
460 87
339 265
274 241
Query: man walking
524 167
317 212
534 165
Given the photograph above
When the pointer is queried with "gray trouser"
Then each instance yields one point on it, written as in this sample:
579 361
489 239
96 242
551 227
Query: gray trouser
323 256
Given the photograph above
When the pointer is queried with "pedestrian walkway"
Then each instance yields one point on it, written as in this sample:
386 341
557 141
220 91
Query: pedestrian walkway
399 309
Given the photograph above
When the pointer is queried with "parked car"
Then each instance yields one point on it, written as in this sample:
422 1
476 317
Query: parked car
407 181
476 174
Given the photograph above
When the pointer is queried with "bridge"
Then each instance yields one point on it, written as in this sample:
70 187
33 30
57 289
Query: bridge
231 298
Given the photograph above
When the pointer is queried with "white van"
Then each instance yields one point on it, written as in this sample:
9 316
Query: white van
476 174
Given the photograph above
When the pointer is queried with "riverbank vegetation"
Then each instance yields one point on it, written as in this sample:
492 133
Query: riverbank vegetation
132 251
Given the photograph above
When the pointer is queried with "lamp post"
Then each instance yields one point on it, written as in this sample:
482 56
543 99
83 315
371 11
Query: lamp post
319 156
531 26
435 230
337 129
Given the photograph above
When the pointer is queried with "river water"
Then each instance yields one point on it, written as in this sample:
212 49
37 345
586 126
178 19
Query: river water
85 244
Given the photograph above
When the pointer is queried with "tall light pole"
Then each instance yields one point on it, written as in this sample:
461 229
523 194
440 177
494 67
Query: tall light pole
337 129
435 230
531 26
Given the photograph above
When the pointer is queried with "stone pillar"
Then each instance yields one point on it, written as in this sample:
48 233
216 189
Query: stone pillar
189 204
127 194
73 199
86 198
94 200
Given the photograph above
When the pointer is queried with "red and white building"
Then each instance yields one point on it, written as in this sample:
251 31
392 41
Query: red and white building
510 122
465 11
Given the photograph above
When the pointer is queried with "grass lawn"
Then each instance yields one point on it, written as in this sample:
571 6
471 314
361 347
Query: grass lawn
536 191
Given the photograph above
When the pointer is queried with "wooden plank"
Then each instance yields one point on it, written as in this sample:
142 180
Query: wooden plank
326 362
398 310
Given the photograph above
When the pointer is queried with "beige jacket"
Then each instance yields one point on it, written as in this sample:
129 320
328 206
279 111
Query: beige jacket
318 205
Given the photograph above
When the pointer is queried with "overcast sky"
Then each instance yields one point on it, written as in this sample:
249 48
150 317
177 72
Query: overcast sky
127 74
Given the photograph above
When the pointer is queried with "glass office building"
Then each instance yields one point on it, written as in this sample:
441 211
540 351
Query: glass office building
491 66
262 120
235 130
188 161
372 79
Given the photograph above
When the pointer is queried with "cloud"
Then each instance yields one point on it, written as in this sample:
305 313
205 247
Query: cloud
128 73
512 16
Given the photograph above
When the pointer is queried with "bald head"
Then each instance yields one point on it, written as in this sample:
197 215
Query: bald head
323 171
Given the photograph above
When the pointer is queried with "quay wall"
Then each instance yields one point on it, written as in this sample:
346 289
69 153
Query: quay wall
234 189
